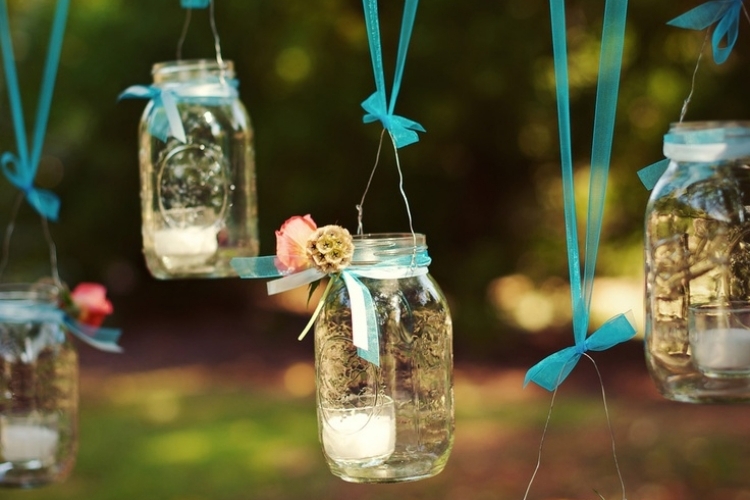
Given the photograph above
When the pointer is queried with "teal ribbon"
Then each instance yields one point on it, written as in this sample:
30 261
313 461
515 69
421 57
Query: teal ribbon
403 130
104 339
364 320
194 4
552 371
725 14
163 98
21 168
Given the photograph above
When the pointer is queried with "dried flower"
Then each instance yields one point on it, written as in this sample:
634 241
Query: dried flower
291 243
330 248
91 304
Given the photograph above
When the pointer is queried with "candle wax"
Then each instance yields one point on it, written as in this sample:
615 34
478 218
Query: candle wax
359 436
721 349
24 442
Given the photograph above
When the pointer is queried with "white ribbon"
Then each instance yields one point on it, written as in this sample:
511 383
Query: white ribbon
706 153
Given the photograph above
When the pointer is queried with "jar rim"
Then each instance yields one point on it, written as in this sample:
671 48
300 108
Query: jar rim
373 247
180 65
688 126
46 292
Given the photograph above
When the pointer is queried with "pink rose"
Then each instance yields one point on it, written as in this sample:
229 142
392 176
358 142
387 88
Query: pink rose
291 241
91 301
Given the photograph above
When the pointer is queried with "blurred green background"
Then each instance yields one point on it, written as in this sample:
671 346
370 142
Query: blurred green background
483 185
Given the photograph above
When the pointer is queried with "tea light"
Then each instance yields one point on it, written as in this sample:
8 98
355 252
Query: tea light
359 435
186 242
722 349
22 442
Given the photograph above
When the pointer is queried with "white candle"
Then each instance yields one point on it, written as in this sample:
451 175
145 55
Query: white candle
22 442
721 349
359 435
187 242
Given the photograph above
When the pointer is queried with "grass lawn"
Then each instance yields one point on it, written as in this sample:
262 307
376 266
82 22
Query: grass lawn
197 433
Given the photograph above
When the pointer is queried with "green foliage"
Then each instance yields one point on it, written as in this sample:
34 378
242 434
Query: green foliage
481 182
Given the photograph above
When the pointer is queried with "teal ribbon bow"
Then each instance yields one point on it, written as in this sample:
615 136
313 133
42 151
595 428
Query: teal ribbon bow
552 371
104 339
163 98
725 14
403 130
21 168
194 4
365 331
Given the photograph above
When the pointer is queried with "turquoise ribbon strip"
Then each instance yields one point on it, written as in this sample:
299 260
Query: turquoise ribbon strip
163 99
21 168
104 339
195 4
725 14
403 130
552 371
363 307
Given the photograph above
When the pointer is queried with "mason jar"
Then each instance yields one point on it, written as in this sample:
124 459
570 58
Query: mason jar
697 252
197 166
38 388
392 421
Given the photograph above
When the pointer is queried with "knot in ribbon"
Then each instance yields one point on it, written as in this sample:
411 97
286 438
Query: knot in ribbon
194 4
402 130
725 14
365 332
555 368
21 175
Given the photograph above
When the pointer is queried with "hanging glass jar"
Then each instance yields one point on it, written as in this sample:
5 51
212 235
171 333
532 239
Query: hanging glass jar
38 388
392 422
197 172
697 243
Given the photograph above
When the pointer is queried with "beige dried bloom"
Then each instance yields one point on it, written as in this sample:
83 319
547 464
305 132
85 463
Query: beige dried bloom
330 248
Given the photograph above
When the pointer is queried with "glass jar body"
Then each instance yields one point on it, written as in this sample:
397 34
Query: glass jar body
392 422
697 241
198 198
38 389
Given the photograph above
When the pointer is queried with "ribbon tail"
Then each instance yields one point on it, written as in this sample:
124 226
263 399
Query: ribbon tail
651 174
617 330
173 116
295 280
255 267
364 323
45 202
550 372
137 92
104 339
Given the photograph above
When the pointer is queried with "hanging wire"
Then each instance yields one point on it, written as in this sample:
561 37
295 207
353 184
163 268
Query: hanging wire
183 35
361 206
9 233
214 32
54 271
609 426
403 195
685 104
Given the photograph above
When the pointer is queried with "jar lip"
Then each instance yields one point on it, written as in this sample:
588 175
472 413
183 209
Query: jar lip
708 125
176 66
373 247
47 292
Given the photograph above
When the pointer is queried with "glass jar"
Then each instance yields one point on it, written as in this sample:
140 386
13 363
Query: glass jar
392 422
697 241
198 194
38 388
